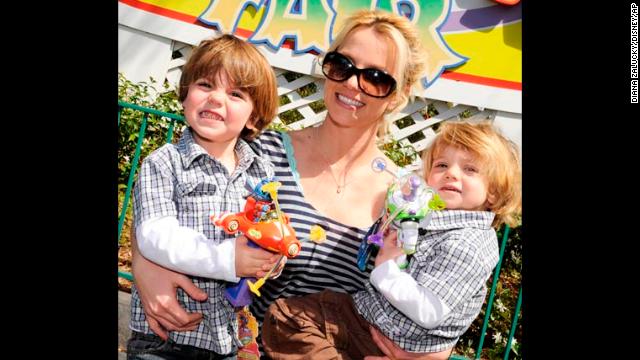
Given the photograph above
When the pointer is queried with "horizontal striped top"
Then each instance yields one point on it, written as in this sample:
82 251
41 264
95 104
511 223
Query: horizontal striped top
329 265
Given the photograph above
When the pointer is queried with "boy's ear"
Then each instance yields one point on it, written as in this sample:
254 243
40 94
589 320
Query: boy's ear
251 123
491 198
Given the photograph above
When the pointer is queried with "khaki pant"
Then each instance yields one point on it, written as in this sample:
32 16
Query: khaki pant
324 325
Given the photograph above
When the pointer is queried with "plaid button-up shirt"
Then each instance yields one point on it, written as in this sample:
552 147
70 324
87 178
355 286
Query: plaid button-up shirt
454 261
185 182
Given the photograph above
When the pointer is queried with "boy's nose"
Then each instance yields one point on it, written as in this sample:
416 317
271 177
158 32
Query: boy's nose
215 97
452 173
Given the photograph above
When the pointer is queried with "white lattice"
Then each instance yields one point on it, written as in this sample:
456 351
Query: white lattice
416 110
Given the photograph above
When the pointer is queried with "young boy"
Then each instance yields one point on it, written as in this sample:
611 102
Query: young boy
476 172
229 94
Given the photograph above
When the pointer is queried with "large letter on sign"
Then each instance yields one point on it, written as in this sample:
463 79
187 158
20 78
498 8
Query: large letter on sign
307 22
224 14
428 16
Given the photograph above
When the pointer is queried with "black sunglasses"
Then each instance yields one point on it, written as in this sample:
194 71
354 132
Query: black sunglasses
373 82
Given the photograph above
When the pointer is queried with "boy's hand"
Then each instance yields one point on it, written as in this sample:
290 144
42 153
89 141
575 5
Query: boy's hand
251 261
389 249
276 272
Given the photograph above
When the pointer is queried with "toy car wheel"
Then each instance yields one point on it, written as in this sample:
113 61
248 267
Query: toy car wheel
293 250
233 225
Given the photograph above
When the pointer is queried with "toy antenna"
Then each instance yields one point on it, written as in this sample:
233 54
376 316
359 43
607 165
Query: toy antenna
379 165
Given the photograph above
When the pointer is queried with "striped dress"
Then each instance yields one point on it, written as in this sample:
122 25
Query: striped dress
329 265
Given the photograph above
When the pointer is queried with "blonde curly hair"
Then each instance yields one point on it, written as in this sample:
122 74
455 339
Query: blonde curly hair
500 155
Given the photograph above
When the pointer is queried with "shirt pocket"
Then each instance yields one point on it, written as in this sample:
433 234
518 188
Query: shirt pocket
197 199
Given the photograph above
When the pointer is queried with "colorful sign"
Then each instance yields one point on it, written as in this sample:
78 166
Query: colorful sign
477 43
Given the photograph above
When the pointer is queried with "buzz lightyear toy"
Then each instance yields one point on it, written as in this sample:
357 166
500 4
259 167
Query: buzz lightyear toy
410 203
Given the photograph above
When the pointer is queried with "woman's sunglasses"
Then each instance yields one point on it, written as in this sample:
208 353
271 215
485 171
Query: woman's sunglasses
373 82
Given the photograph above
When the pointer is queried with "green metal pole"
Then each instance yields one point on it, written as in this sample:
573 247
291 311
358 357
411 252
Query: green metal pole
170 133
132 173
494 285
151 111
125 275
514 322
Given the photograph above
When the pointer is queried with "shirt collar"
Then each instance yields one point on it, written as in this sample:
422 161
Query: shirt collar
456 219
190 151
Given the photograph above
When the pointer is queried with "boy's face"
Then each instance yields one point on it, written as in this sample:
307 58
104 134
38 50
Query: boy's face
216 112
456 175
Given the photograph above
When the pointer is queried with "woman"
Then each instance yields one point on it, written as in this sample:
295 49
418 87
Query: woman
326 174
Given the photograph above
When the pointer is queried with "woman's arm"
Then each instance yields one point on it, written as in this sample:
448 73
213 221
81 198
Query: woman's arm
157 289
393 351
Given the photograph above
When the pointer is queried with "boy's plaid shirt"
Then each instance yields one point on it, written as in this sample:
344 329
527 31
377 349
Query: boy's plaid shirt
454 261
183 181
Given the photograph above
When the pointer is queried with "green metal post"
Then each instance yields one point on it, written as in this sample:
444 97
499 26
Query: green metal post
514 322
134 166
151 111
170 132
494 285
136 158
125 275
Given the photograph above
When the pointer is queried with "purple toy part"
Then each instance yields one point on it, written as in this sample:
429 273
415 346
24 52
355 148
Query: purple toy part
375 239
414 183
239 295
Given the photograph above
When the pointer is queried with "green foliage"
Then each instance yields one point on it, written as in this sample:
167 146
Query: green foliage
143 94
278 127
401 155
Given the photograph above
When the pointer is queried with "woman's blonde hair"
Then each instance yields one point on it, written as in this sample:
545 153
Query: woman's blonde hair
499 157
245 68
411 57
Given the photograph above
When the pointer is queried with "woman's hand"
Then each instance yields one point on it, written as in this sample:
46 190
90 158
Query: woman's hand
394 352
252 262
389 248
157 289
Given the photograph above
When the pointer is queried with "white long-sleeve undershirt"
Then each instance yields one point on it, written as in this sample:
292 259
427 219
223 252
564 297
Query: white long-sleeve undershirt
402 291
179 248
